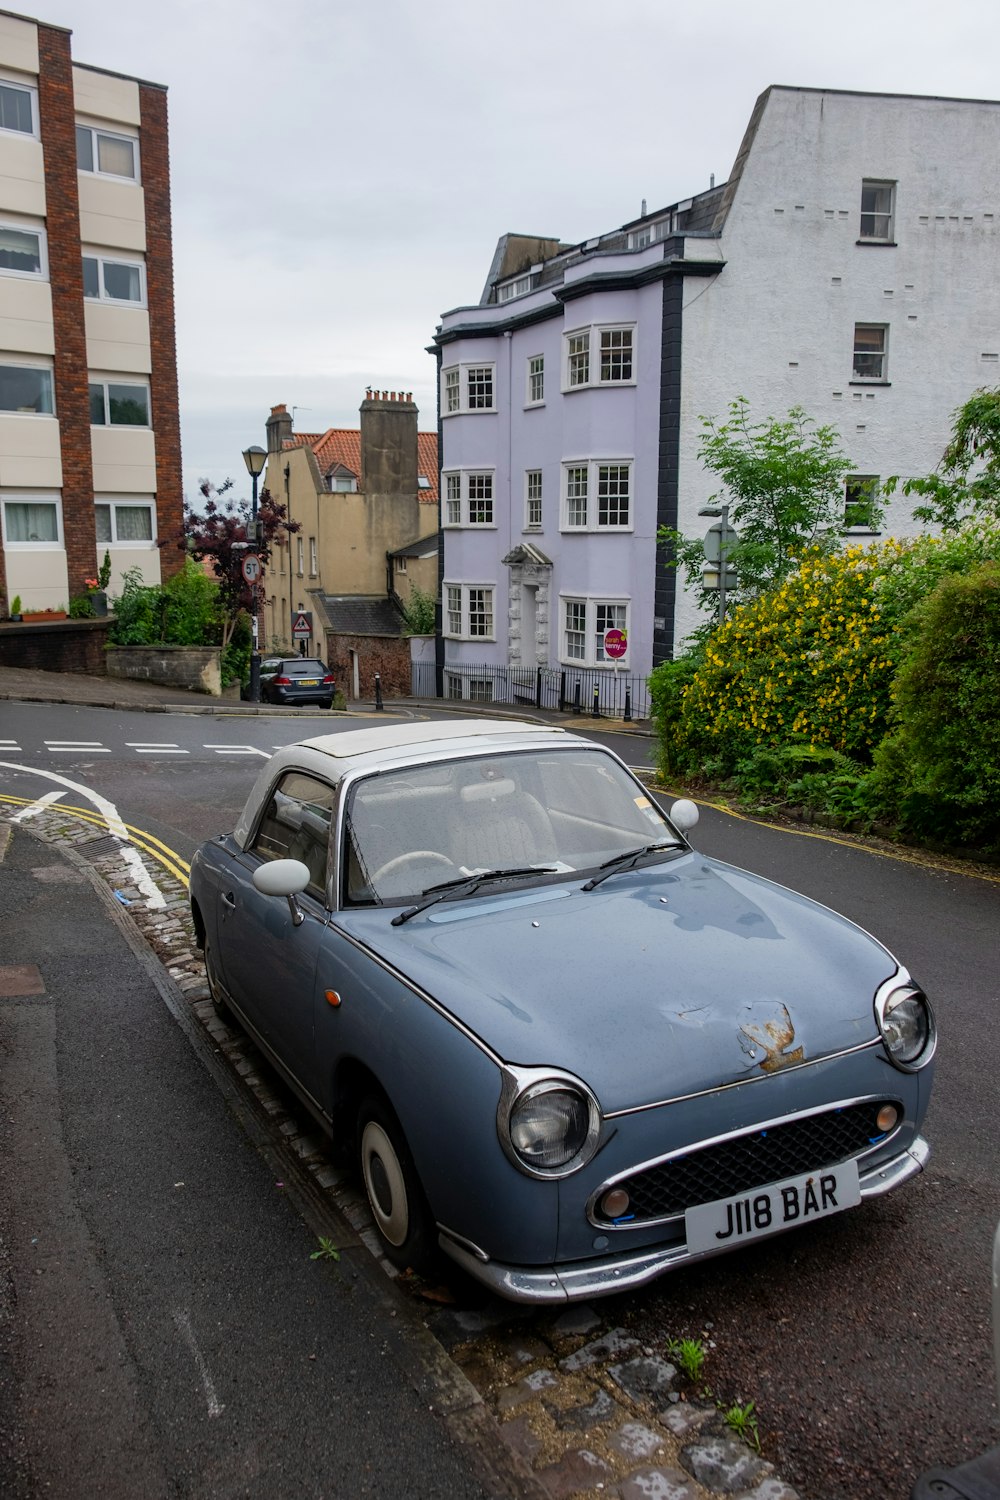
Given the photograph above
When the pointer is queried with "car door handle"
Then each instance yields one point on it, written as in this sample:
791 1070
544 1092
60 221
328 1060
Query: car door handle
228 899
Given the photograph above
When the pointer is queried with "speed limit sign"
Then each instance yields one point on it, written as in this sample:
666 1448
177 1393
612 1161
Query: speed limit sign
251 568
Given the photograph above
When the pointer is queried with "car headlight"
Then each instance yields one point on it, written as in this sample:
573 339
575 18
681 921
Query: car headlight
906 1022
548 1123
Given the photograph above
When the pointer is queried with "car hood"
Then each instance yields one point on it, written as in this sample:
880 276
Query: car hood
673 978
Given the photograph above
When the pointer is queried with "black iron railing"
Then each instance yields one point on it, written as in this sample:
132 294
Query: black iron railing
597 692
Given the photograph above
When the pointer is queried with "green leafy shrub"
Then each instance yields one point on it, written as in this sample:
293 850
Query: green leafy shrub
81 607
667 686
235 665
184 611
939 771
419 611
138 611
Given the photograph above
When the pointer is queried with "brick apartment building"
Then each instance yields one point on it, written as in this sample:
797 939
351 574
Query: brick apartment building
89 429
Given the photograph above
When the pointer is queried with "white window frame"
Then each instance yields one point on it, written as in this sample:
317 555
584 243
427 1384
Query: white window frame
535 380
650 234
461 405
589 351
519 287
96 131
22 226
534 490
127 502
876 183
313 558
6 362
116 260
592 648
30 497
128 380
459 499
593 468
465 592
7 80
854 482
867 353
300 557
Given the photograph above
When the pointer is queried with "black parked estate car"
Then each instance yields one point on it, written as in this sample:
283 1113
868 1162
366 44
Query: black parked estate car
296 680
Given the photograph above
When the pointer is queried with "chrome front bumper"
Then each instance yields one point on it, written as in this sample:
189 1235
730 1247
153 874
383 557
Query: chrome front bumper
602 1277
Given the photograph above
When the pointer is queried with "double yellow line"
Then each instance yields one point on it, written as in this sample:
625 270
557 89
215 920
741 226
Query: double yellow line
162 853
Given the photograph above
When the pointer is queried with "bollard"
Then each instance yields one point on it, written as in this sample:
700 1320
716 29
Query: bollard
378 691
628 705
576 699
597 702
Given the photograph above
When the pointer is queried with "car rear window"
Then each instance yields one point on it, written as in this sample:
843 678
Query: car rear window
303 667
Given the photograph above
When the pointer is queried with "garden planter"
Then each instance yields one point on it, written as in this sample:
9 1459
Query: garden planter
42 616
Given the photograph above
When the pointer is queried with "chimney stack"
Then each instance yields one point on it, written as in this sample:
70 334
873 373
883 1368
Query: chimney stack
279 428
388 443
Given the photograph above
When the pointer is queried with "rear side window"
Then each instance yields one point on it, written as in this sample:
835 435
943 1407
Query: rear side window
296 825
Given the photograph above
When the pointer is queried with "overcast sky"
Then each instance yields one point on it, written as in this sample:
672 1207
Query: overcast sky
342 169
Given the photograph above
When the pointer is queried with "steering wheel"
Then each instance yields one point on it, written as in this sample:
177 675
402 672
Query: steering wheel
411 856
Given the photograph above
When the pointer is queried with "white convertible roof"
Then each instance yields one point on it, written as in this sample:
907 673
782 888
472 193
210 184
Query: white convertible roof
332 756
352 742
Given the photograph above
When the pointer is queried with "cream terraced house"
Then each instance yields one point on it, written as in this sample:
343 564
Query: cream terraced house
89 428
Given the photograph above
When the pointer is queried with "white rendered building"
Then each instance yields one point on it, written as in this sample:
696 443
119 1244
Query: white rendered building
850 266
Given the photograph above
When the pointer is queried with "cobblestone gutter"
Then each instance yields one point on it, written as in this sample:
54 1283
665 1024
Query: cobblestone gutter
583 1409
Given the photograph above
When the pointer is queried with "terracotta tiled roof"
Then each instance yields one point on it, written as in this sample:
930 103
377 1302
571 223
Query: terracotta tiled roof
342 445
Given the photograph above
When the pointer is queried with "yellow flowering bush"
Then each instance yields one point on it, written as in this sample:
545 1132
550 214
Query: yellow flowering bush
807 662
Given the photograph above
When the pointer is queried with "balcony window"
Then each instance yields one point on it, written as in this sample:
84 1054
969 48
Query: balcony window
117 404
26 389
22 251
106 153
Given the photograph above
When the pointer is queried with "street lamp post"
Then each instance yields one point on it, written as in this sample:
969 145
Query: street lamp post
726 535
255 458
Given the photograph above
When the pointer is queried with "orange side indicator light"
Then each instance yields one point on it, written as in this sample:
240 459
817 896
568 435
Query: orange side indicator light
332 998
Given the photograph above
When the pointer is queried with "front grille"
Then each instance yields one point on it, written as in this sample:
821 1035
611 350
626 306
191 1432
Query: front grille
752 1160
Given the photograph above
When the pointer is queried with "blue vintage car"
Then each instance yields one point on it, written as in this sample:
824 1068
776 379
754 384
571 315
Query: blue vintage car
564 1047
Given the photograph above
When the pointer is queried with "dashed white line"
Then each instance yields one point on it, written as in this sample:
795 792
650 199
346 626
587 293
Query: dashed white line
237 750
73 747
141 748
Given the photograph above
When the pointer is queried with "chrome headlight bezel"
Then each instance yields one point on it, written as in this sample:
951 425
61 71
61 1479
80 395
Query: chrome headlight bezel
897 991
519 1085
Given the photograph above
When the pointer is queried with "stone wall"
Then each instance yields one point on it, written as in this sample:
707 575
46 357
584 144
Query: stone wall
387 655
197 668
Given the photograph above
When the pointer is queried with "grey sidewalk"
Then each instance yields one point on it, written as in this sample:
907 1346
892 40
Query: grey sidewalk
163 1328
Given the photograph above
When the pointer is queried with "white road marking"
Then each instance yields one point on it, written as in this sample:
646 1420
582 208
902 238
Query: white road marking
9 745
37 807
140 875
183 1321
237 750
155 749
73 747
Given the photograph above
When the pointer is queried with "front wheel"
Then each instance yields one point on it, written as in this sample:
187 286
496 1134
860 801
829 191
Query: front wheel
395 1197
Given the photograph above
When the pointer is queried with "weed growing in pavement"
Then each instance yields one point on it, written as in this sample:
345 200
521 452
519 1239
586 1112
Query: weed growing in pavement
327 1250
743 1421
689 1354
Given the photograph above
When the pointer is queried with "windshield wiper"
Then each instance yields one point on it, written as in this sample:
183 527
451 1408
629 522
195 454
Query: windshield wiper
464 885
627 861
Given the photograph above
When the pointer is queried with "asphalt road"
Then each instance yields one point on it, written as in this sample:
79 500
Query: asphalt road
865 1341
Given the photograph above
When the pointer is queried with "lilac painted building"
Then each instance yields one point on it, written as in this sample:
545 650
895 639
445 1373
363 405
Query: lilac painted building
850 265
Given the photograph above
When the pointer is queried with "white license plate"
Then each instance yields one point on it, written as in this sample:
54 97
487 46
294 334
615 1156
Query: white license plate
783 1205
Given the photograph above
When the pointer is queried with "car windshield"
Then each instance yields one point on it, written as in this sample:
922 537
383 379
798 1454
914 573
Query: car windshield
560 811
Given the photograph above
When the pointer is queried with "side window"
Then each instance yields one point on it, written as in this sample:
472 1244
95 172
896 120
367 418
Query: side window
296 825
